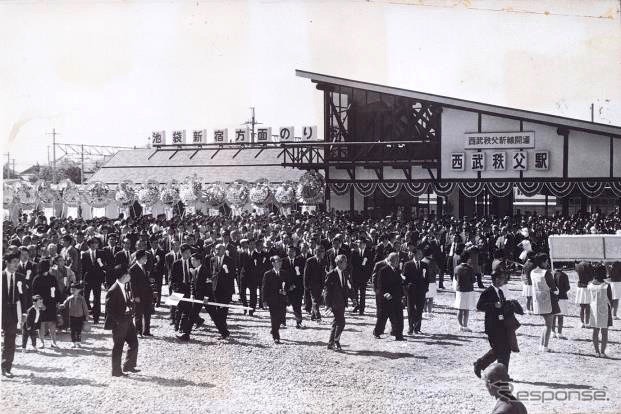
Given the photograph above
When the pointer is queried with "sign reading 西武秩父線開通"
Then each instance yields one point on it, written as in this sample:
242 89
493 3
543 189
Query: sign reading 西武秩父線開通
499 140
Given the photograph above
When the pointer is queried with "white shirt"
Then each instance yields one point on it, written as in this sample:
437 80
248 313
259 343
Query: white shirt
497 289
340 276
37 314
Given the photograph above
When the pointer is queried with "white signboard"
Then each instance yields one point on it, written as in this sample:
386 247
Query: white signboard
178 137
498 140
590 247
285 134
264 134
220 136
242 135
158 138
309 133
199 136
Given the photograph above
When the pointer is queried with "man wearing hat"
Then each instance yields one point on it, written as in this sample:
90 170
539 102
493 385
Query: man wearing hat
119 313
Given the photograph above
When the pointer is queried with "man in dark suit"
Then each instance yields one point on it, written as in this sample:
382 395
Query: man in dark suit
416 286
171 257
260 259
156 265
247 274
222 276
337 248
109 252
338 285
119 312
361 265
389 294
124 255
94 275
72 256
314 279
180 279
275 296
143 294
500 324
199 275
293 266
14 292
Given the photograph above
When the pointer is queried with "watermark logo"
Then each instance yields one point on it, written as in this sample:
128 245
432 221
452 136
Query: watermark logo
505 391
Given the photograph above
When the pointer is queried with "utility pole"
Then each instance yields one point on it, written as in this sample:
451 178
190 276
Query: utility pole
8 164
593 112
252 123
53 134
82 165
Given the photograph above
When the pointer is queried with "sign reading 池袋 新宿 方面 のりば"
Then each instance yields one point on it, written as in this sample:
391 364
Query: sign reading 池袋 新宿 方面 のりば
485 140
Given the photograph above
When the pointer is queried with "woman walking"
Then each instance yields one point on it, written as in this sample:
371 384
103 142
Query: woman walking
45 285
545 299
562 282
465 299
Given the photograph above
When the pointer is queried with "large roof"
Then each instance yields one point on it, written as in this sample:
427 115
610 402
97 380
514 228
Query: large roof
559 121
141 165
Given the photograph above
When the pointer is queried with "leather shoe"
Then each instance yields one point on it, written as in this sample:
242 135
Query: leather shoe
223 337
410 331
134 370
477 370
299 325
184 338
330 346
400 339
119 374
7 374
277 341
338 346
377 336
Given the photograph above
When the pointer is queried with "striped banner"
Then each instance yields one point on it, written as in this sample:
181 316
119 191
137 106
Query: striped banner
530 189
416 189
561 188
365 189
390 190
471 189
443 188
340 188
499 189
592 189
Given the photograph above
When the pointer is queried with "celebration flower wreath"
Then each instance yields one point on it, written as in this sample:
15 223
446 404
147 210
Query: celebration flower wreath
285 194
98 194
149 193
214 195
237 194
25 194
259 194
125 193
310 188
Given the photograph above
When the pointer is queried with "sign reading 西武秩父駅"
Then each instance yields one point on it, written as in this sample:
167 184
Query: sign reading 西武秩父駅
499 140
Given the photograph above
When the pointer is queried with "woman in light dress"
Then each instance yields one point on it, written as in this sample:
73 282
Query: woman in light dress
465 299
600 319
545 299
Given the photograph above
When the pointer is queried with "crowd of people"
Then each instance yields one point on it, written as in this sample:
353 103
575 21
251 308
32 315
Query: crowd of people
54 270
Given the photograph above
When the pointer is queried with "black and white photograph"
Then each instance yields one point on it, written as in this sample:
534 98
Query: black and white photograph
311 206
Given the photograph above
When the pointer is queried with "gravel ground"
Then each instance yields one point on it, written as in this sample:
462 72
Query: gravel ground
248 373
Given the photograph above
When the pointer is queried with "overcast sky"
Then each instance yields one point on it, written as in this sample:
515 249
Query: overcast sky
109 72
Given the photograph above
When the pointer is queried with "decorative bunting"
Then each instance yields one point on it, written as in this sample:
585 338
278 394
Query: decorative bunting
500 189
471 189
561 188
443 188
592 189
365 189
390 190
615 188
416 189
529 189
340 188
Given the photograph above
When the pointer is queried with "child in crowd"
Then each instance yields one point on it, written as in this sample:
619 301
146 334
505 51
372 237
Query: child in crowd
78 313
32 324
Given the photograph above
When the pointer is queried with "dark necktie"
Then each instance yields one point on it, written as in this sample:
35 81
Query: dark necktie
501 296
11 288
